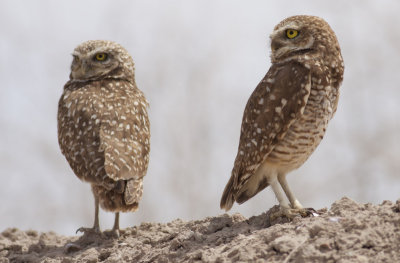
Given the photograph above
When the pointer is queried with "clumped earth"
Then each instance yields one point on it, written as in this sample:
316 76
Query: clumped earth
348 232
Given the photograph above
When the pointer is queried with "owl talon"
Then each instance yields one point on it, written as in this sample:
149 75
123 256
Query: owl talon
89 230
291 213
306 212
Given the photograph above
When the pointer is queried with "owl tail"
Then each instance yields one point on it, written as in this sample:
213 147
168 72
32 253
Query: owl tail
133 191
228 198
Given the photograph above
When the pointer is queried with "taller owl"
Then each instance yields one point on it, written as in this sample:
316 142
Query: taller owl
103 127
287 115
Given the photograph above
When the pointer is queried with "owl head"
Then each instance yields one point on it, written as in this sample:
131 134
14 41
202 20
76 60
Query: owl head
100 59
305 37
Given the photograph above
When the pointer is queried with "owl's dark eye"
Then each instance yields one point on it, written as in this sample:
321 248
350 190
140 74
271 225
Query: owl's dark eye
101 56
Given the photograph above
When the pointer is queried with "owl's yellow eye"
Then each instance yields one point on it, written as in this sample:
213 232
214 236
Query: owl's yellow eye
291 33
101 56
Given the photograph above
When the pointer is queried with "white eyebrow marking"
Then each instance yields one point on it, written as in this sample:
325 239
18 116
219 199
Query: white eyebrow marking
76 53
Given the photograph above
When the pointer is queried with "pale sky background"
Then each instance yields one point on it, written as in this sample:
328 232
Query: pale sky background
197 62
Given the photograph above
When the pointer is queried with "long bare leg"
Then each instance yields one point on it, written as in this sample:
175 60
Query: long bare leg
114 232
293 201
272 180
297 208
90 234
96 225
116 222
285 208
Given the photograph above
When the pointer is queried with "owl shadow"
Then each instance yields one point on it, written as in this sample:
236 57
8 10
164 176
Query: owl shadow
88 241
216 231
50 246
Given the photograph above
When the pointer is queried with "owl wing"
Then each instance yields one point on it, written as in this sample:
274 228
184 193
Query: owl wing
125 139
278 100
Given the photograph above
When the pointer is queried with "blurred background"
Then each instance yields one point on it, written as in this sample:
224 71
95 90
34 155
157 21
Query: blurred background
197 62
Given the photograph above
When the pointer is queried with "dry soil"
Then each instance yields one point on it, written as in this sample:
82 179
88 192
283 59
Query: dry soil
347 232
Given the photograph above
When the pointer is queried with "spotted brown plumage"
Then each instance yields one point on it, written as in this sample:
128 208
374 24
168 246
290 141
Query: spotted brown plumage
287 115
103 127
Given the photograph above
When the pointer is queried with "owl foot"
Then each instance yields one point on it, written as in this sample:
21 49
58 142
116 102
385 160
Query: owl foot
113 233
291 213
89 231
91 235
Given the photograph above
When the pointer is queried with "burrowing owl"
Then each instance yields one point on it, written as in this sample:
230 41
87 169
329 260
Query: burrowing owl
286 116
103 127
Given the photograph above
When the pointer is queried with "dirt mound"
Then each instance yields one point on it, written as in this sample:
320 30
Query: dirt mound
348 232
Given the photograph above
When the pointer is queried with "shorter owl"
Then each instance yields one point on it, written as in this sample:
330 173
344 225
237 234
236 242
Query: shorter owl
287 115
103 127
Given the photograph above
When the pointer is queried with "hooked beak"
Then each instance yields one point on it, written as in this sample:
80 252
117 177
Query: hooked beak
80 72
275 45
